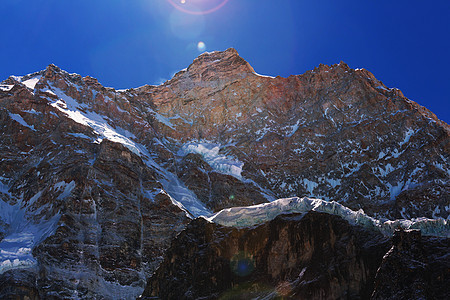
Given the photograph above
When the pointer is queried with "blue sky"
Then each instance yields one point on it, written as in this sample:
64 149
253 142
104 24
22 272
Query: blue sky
129 43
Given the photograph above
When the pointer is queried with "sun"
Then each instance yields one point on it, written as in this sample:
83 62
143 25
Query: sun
201 46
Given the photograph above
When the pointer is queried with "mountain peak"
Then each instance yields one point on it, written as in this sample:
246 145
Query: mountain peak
218 55
220 63
53 68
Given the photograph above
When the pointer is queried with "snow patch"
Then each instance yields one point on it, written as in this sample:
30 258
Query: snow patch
210 153
31 83
262 132
177 116
179 194
396 154
79 135
382 88
442 167
183 197
50 92
68 188
265 76
333 182
161 118
408 135
6 87
309 185
294 129
21 121
32 111
395 190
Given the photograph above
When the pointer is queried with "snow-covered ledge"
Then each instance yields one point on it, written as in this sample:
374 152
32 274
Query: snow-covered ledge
261 213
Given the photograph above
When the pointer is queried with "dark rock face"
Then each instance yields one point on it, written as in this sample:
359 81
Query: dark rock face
18 285
318 256
415 267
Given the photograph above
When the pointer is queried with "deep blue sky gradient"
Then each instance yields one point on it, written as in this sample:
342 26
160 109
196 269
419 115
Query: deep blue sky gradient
129 43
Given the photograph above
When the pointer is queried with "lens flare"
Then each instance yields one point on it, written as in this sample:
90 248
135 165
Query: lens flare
242 264
198 7
201 46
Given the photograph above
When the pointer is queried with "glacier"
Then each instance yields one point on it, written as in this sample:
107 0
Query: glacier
20 233
254 215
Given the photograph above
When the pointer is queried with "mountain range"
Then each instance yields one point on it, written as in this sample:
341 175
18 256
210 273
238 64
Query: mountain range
163 191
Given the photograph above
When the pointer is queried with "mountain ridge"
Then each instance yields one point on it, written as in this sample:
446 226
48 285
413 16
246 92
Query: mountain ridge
179 115
222 56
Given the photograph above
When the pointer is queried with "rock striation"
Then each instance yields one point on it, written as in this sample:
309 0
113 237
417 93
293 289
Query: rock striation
415 267
312 256
95 182
82 209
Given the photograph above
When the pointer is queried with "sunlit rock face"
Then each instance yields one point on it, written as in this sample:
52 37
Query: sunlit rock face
95 182
332 133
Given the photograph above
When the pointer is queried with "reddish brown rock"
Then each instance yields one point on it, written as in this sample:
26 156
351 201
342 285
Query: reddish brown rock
333 133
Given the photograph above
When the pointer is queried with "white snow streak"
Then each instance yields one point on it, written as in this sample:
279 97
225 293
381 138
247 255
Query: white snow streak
31 83
100 126
20 120
6 87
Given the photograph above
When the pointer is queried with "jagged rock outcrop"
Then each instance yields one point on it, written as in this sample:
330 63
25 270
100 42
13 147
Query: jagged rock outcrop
415 267
95 182
316 256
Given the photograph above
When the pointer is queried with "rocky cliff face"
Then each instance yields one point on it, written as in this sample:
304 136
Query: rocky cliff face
95 182
317 256
415 267
312 256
